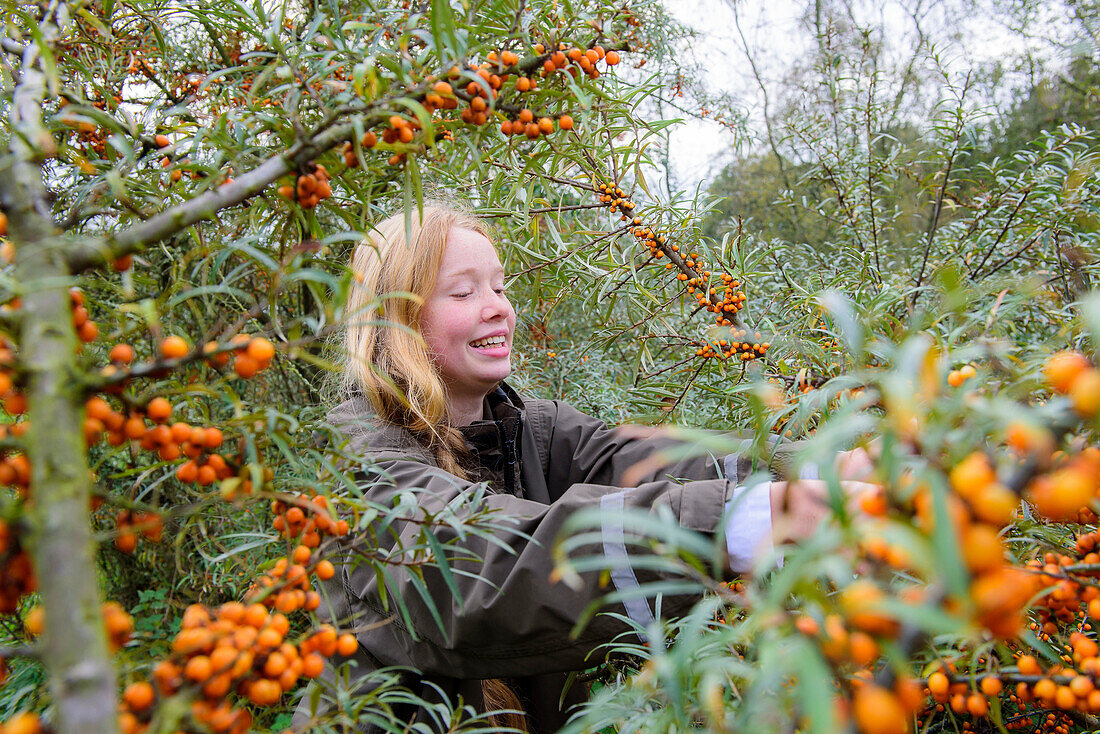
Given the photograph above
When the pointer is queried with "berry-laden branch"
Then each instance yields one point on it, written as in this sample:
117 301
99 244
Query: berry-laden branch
399 131
1061 590
717 293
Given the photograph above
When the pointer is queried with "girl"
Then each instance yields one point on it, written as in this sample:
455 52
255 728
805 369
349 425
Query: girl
428 403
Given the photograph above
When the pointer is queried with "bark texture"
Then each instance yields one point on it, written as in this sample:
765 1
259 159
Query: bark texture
74 646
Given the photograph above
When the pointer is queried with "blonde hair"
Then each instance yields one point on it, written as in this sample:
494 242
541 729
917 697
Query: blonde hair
386 360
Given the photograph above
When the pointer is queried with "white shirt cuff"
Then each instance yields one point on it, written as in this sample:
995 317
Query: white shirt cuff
749 525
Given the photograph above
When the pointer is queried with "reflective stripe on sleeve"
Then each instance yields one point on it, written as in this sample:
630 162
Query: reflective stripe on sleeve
614 549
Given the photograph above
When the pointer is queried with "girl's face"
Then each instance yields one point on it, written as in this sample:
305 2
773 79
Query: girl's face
466 320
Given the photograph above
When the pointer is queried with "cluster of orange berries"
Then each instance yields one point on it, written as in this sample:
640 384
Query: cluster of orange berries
15 467
721 298
286 586
1066 687
90 137
618 203
86 329
17 577
525 124
850 639
956 378
306 517
735 346
1068 487
724 304
576 60
237 648
980 506
312 187
1073 593
203 465
1070 373
249 354
129 525
945 688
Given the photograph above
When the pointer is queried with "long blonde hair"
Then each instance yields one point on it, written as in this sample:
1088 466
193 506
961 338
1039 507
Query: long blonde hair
386 360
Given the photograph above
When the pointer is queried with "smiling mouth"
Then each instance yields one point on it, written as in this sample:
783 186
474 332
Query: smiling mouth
489 341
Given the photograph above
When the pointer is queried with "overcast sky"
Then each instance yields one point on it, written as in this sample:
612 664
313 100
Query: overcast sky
963 36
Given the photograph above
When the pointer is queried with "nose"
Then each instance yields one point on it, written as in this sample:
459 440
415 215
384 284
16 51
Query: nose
495 306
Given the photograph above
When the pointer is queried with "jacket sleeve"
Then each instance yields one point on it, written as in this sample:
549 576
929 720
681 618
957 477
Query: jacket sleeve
512 619
584 449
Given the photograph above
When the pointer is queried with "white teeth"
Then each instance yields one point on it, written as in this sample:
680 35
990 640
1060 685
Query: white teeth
490 341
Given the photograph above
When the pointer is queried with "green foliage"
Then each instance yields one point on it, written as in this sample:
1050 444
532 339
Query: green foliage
877 253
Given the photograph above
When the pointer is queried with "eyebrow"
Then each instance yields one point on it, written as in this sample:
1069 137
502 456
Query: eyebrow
466 272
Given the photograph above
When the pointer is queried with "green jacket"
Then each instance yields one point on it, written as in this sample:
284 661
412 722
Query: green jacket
543 460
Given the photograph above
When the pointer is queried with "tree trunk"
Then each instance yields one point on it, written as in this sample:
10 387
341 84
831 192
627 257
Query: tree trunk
73 647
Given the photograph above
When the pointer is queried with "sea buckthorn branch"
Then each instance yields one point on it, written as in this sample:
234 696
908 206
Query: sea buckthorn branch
981 501
714 292
580 185
691 271
330 133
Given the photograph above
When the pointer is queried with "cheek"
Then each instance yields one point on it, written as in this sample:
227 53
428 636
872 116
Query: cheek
443 329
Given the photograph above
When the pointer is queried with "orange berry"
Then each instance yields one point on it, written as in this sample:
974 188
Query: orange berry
188 472
35 621
859 600
1060 495
312 665
206 475
875 709
245 366
972 475
991 686
1085 393
255 615
1028 665
126 541
260 349
24 722
565 122
325 570
139 696
98 408
346 645
159 410
1081 686
938 685
862 648
173 347
546 125
612 58
213 438
1063 368
977 705
1064 698
121 353
198 669
981 548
